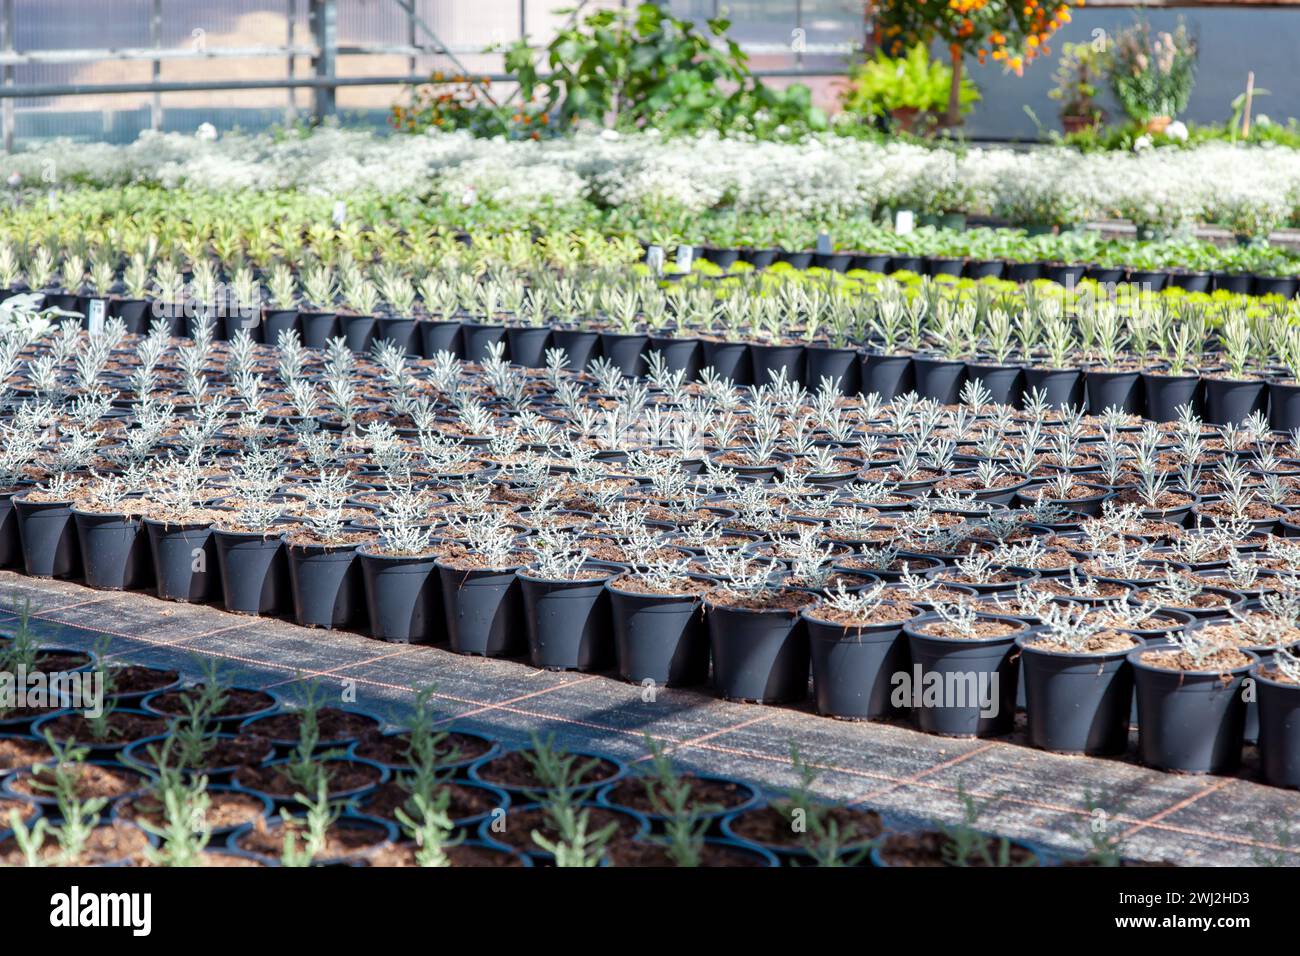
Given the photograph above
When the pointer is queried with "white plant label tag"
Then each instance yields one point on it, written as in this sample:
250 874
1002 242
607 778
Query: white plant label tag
95 317
904 222
823 243
685 256
340 212
654 258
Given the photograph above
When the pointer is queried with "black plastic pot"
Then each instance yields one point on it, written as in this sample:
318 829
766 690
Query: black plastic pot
1284 405
659 638
889 376
478 337
1192 281
1122 390
184 561
680 355
626 350
961 669
1231 402
771 361
1077 703
484 611
853 667
1006 383
1279 730
1166 393
1238 283
11 545
836 364
254 572
401 331
439 335
402 597
985 268
275 321
1023 271
326 585
758 655
133 312
318 328
528 344
1062 386
114 551
1189 721
940 379
728 359
568 622
358 331
1285 286
581 345
49 538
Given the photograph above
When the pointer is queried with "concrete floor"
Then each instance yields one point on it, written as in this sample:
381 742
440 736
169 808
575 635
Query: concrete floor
1030 794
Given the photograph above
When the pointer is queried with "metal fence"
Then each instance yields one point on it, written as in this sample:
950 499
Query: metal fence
107 69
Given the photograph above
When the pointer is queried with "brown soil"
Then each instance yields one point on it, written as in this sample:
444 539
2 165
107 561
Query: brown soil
984 628
92 781
133 679
1103 642
882 614
1233 634
926 848
403 855
392 749
244 750
111 843
643 854
1199 601
343 839
226 810
7 806
61 660
19 752
303 537
464 561
121 728
520 824
1220 661
513 769
211 858
631 792
767 826
344 776
638 585
771 599
238 702
464 801
333 724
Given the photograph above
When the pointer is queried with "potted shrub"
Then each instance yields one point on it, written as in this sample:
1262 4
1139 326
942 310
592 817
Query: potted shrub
1191 713
963 679
1078 683
857 646
566 606
481 593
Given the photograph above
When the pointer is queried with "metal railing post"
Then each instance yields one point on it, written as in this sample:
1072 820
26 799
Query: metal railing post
155 34
7 26
324 21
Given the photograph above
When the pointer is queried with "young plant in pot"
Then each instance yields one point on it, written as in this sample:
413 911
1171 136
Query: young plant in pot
248 539
566 606
481 593
1175 384
1236 393
179 523
958 845
758 640
1059 381
680 804
1278 693
562 826
963 677
402 589
324 570
1191 710
857 645
803 828
46 524
1078 683
658 621
81 837
110 529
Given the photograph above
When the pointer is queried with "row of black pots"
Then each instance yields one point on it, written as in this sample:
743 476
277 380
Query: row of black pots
1151 394
1062 273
